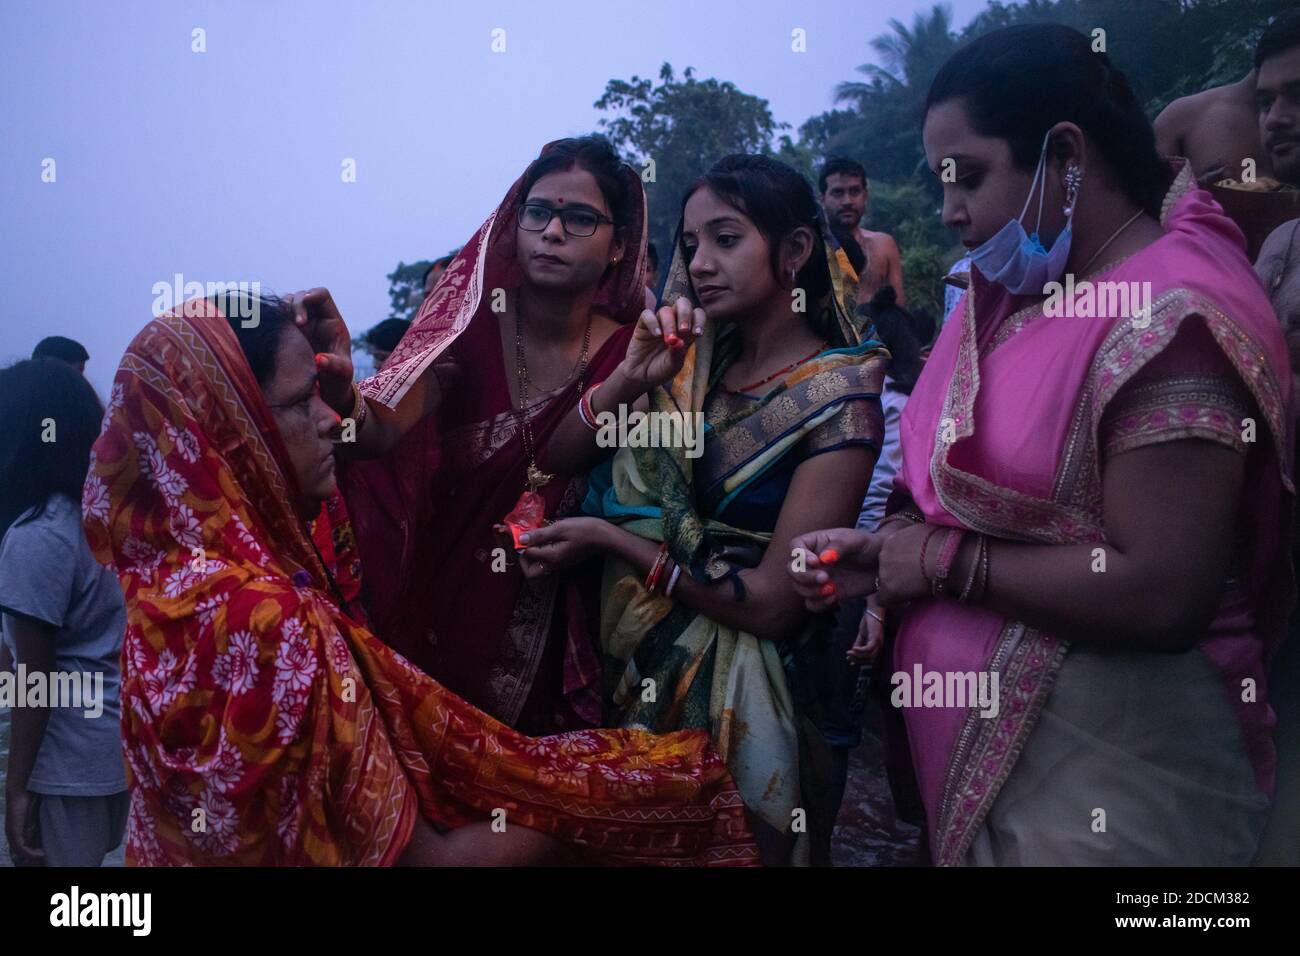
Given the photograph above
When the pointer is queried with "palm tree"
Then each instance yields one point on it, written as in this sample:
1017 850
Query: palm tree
910 59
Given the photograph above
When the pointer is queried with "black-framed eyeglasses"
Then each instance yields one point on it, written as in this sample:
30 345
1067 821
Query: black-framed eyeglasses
579 223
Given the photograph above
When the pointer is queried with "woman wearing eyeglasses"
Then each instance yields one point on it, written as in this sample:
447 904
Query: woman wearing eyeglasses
474 418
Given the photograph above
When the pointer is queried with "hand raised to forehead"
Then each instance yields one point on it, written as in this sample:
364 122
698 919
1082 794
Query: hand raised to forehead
319 318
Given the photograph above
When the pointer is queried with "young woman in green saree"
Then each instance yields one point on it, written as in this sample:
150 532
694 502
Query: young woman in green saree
699 626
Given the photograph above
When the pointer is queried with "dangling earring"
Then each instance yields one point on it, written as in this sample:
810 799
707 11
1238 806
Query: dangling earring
793 277
1073 179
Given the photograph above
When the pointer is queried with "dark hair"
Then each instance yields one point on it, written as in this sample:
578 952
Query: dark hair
32 469
261 341
778 200
1018 82
652 256
63 349
1278 37
387 334
849 243
843 166
444 261
594 154
896 328
924 326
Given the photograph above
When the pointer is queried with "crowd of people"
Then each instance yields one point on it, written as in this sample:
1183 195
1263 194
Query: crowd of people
434 616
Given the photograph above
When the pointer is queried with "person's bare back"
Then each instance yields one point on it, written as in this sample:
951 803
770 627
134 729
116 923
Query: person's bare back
1216 129
884 265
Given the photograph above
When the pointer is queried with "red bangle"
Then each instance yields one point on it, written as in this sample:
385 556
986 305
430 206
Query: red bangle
657 569
585 410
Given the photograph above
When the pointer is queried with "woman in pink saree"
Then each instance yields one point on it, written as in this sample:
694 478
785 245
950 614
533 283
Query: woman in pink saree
1086 567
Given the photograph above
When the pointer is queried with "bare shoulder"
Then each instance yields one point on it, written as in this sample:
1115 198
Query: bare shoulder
882 243
1172 122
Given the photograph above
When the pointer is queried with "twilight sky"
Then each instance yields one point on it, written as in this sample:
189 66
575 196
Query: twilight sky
226 165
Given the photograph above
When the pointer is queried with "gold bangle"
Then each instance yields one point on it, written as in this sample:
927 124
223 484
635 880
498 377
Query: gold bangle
359 407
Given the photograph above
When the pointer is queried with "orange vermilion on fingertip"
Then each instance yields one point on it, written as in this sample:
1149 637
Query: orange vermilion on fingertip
321 358
828 589
829 556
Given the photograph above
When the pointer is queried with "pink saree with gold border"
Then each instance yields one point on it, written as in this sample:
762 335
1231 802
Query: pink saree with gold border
1001 436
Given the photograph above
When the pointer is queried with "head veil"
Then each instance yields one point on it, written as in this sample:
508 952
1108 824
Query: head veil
250 702
486 263
389 499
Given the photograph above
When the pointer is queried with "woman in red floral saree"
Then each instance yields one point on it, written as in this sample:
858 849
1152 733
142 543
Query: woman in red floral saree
262 724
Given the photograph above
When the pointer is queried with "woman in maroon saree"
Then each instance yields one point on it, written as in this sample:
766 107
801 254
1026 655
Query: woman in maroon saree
443 586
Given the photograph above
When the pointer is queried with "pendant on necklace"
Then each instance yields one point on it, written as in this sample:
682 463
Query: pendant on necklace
536 477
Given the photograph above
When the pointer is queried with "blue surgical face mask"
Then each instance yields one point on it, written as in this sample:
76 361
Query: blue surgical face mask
1019 262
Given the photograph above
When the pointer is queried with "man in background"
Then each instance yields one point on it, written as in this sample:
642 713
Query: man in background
845 194
1277 96
1216 130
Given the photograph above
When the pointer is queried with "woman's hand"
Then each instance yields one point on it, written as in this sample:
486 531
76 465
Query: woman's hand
563 544
901 576
871 633
316 314
20 827
833 565
658 347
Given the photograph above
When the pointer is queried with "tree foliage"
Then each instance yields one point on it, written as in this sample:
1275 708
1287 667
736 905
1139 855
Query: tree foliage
683 126
406 289
1167 48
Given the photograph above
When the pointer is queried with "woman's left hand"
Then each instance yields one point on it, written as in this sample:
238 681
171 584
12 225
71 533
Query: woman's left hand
659 345
901 576
567 542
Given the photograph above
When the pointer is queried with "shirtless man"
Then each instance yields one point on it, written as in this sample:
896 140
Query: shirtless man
845 193
1277 95
1278 115
1216 130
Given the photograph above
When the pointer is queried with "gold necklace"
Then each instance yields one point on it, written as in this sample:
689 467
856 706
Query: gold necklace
1113 236
535 476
